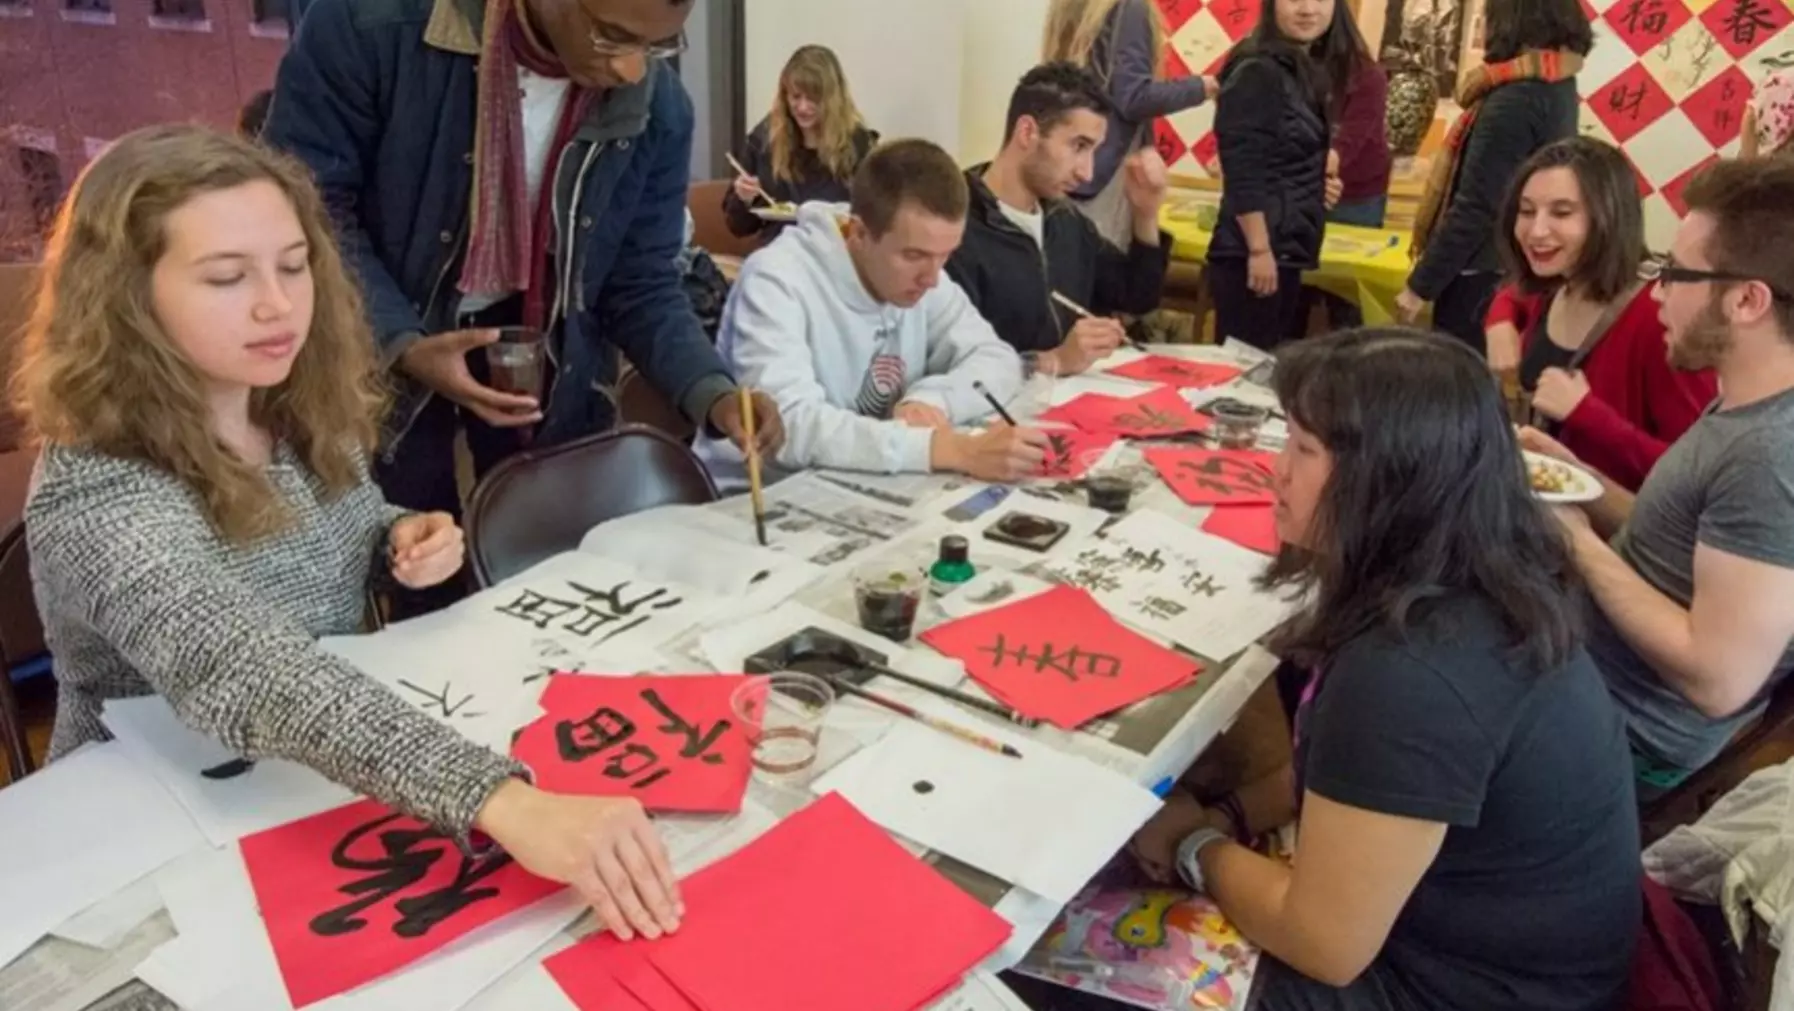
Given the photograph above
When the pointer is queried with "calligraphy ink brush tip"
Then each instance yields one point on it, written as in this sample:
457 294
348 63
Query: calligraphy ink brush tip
995 404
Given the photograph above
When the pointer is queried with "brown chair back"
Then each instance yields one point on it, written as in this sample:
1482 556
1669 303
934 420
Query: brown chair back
710 225
641 404
541 503
21 638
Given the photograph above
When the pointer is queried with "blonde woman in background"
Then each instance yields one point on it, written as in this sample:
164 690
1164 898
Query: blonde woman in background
1123 43
806 148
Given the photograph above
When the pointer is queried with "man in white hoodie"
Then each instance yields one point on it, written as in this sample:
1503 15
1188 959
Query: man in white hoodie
871 352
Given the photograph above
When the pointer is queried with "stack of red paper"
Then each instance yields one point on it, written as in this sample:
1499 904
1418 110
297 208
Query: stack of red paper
1059 656
825 912
1179 372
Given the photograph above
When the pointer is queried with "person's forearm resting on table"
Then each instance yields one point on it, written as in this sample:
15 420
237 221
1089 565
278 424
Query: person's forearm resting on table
1719 651
1329 914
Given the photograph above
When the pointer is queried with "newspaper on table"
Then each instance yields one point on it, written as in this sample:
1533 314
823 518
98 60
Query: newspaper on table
1198 591
811 517
60 975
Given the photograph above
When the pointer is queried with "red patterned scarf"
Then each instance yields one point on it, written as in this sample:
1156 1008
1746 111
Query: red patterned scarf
508 249
1533 65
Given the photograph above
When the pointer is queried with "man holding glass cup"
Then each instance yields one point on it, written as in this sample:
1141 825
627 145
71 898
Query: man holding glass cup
508 178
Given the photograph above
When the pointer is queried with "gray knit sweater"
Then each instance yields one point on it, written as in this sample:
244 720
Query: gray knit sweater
139 594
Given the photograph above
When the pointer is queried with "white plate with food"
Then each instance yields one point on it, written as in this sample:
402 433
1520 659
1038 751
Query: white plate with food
776 212
1558 482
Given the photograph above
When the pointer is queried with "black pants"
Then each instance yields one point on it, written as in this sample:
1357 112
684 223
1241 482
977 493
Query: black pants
1461 307
1263 322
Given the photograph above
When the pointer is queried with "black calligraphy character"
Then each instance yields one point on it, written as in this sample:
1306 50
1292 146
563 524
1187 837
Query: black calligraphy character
1625 101
697 743
1236 11
229 770
1150 419
1069 662
1143 561
578 740
440 701
401 865
614 602
537 609
1227 476
1058 459
1747 18
1646 13
1196 582
1162 608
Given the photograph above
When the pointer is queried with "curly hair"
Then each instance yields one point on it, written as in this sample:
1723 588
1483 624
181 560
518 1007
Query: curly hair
99 372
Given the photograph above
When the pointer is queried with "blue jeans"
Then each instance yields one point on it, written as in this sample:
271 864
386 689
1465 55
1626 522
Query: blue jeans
1367 212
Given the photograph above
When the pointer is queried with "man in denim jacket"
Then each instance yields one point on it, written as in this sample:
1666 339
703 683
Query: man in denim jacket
498 163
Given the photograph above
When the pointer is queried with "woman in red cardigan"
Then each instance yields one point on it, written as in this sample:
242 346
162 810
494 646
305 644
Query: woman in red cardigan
1576 321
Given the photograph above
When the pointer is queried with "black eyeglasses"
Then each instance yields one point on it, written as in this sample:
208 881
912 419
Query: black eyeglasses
1667 272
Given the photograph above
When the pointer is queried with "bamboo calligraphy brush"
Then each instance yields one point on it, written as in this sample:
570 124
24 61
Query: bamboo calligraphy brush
995 404
1087 314
758 192
753 465
971 737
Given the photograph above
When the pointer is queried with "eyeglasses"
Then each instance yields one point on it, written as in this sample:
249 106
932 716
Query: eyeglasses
622 50
1667 272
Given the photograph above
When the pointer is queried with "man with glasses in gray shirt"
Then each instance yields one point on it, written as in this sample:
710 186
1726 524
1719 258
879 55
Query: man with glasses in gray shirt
1694 615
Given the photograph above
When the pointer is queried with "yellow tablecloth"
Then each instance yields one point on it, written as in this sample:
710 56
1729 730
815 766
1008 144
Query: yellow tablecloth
1366 265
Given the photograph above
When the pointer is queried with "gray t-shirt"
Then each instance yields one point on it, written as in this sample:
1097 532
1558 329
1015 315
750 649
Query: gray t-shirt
1728 483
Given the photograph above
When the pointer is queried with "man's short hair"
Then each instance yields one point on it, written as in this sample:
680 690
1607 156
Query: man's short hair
910 171
1751 202
1051 92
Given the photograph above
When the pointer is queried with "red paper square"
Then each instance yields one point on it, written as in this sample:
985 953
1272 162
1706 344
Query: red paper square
1202 477
1644 24
1070 451
355 893
1181 373
1171 147
1177 12
1153 415
1630 102
1208 151
1741 26
1236 17
673 743
1253 527
1672 190
822 913
1717 108
1058 656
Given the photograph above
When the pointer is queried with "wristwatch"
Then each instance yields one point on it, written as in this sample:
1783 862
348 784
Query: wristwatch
1190 849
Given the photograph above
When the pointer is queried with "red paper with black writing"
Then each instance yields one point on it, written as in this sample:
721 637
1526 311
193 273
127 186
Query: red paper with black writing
1204 477
1071 451
1250 526
824 912
673 743
1178 372
1058 656
1156 415
355 893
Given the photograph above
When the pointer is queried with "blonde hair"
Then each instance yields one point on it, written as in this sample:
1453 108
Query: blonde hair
1073 27
98 371
815 73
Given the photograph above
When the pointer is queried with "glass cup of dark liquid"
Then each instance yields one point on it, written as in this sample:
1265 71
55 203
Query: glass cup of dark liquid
518 362
1236 425
1110 479
888 595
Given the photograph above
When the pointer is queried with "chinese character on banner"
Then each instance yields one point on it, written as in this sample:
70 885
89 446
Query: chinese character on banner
1230 477
1058 656
1644 24
1071 451
1717 108
592 614
1740 26
1177 12
1179 372
1630 103
1158 414
356 893
674 743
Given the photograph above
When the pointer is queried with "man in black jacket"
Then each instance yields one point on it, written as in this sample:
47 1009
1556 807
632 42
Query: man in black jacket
1024 241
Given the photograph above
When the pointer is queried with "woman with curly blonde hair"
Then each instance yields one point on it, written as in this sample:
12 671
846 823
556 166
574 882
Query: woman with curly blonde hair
806 148
200 374
1123 43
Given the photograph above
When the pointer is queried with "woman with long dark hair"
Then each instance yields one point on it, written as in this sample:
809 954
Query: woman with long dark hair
1576 325
1281 90
806 148
1522 97
1467 836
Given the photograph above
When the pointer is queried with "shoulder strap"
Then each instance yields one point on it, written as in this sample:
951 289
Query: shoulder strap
1605 323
